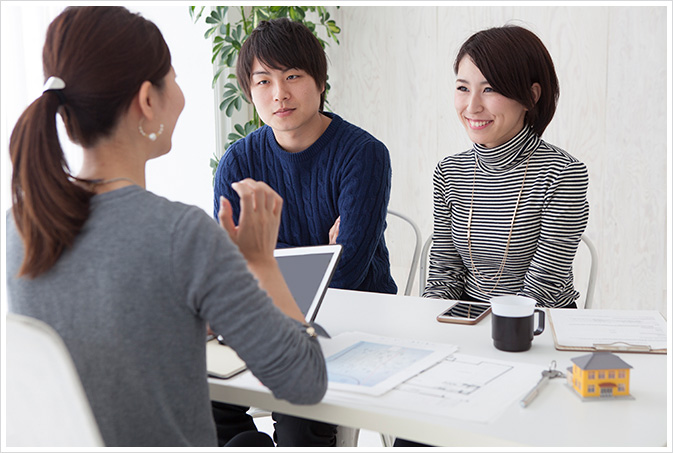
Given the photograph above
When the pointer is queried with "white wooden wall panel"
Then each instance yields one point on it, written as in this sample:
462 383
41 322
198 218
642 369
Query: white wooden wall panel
633 180
393 76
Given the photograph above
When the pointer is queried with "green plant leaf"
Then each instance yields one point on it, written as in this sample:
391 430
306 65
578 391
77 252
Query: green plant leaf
333 27
198 15
216 76
296 13
231 106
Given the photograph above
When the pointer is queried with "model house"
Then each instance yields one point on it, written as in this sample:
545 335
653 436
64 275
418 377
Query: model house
600 374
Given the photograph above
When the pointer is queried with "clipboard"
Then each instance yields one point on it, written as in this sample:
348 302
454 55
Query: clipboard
638 331
222 361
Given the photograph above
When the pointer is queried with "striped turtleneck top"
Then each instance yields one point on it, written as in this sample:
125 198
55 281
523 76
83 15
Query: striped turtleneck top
551 216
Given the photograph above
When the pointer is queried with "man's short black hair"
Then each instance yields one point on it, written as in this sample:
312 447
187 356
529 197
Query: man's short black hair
283 44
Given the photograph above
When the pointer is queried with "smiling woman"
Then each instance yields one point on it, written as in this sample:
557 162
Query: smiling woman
489 117
509 213
393 75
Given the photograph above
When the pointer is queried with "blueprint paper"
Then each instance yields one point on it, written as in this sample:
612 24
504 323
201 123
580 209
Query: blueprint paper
462 387
362 363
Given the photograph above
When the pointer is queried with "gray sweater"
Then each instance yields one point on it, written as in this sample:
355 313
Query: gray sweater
131 300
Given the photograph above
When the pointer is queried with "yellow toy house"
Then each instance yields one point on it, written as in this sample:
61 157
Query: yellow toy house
599 375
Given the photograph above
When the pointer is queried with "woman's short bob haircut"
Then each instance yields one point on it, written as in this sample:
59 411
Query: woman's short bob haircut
283 44
512 59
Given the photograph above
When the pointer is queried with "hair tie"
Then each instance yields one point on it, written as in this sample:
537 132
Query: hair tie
56 85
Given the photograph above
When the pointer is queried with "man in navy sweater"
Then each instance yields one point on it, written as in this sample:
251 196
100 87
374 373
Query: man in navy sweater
333 176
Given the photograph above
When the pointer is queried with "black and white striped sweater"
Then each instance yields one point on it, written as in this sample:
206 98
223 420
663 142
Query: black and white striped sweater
550 220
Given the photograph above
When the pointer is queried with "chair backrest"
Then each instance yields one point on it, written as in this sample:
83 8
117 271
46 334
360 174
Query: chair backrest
591 282
413 265
45 401
423 265
593 269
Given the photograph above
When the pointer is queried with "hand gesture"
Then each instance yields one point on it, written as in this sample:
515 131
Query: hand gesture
334 231
257 232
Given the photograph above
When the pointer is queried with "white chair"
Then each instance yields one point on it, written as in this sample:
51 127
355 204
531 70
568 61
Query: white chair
413 265
593 269
346 436
46 404
423 266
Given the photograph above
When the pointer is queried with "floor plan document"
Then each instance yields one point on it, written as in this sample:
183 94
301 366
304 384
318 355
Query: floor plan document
364 363
461 386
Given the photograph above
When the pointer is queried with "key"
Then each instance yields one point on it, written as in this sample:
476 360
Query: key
551 373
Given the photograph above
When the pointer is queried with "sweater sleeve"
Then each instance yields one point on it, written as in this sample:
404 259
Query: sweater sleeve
446 272
363 207
210 270
564 217
228 171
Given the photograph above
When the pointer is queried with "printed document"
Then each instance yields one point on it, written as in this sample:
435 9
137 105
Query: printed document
461 386
363 363
609 329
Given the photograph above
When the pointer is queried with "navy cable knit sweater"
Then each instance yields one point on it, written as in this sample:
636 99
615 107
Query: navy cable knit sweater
346 173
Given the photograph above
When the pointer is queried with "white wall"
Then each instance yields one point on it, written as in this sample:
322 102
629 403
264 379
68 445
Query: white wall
392 75
182 175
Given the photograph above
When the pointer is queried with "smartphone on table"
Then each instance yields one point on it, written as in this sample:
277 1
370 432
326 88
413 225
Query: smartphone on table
464 312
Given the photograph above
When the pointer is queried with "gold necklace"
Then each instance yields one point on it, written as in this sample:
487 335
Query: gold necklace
501 269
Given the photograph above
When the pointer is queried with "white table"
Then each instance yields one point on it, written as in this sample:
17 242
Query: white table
556 418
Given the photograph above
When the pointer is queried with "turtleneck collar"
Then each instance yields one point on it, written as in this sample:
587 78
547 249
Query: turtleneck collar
509 154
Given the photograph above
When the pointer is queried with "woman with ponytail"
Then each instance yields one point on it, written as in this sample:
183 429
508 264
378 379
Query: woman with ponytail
131 281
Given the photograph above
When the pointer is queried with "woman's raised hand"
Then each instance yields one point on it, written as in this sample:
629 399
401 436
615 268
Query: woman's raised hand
257 232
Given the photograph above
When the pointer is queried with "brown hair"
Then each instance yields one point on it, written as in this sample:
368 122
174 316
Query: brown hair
512 59
282 44
103 54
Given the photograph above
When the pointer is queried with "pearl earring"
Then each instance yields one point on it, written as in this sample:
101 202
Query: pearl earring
152 136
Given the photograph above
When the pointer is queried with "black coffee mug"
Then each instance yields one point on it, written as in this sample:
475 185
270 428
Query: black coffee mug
512 328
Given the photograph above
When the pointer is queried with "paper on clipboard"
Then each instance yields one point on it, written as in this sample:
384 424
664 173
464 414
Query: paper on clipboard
609 330
363 363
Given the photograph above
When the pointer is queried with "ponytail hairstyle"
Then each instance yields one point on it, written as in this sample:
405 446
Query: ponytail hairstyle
103 54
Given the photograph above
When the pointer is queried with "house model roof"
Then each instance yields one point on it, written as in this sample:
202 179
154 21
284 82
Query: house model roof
602 360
